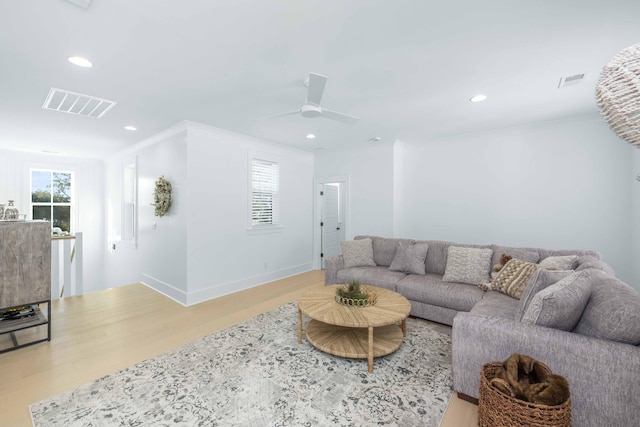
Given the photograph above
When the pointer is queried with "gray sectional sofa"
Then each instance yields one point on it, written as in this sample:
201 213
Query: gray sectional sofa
582 321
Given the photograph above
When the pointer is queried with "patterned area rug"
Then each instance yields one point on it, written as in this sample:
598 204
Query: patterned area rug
256 374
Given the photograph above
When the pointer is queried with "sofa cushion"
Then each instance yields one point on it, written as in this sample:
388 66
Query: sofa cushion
496 304
613 311
564 262
545 253
431 289
410 258
529 255
513 277
436 260
467 265
588 261
358 253
376 276
560 305
539 280
384 249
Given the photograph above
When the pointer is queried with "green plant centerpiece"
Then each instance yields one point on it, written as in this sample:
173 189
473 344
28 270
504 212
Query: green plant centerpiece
355 295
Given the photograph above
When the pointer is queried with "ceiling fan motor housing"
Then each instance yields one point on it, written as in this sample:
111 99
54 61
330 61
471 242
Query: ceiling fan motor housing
310 111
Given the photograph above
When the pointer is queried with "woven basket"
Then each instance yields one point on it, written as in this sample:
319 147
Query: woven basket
496 409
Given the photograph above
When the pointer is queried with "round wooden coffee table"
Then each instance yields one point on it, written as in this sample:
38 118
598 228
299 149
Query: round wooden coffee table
354 332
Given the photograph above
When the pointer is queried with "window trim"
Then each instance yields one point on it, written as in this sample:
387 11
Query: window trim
262 228
72 196
129 175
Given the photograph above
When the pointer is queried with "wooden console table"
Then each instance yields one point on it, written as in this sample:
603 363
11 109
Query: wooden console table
25 279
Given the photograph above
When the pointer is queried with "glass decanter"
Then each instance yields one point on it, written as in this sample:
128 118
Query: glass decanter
11 212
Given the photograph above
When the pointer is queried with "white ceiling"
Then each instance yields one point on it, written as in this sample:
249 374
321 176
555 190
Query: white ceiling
406 68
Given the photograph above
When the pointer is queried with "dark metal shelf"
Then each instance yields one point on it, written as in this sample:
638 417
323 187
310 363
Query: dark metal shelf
38 319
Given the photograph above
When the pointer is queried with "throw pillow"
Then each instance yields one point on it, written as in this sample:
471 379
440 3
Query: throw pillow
467 265
485 285
566 262
528 255
540 279
357 253
410 258
504 259
560 305
513 277
384 249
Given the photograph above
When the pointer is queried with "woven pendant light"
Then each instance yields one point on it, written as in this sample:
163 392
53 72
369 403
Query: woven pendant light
618 94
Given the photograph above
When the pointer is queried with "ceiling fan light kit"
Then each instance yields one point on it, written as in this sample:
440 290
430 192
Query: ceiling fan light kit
310 111
618 94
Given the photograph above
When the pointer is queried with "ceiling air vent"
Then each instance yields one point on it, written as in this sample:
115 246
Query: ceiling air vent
76 103
572 80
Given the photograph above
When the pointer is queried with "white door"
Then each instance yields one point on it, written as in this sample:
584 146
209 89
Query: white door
330 221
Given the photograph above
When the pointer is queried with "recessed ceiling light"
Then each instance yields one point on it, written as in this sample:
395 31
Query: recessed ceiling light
311 136
80 61
478 98
375 139
132 128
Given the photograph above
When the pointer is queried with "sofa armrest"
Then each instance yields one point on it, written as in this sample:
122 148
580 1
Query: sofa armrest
602 374
331 267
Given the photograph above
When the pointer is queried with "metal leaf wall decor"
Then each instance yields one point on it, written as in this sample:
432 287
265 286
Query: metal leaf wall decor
162 196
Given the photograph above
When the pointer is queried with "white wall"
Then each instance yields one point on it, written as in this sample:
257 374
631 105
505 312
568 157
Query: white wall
223 257
371 185
398 185
159 258
567 184
563 184
89 215
201 249
163 240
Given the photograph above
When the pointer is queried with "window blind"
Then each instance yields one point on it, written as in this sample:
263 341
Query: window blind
264 192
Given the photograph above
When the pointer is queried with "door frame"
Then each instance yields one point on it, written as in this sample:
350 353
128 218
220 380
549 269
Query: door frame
317 208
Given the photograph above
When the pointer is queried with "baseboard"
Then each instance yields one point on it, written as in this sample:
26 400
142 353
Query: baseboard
220 290
467 398
216 291
165 289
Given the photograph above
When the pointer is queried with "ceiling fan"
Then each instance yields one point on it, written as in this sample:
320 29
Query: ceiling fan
315 87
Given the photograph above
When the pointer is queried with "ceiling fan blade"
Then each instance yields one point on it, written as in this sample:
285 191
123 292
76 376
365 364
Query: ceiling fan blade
344 118
288 113
316 88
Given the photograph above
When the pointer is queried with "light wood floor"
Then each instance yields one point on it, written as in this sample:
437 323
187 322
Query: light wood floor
105 331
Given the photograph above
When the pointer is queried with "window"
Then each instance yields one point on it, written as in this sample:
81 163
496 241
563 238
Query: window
264 206
129 201
51 197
